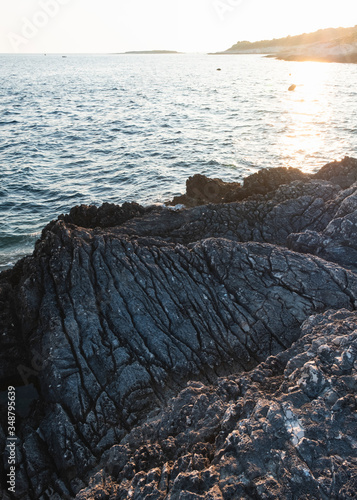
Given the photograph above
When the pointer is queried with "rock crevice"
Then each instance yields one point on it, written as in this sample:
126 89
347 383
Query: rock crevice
198 353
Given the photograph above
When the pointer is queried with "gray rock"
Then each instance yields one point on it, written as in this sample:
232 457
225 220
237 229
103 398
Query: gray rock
343 173
161 346
272 433
337 242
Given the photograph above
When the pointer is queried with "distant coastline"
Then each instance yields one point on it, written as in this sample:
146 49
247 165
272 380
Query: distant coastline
349 58
327 45
151 52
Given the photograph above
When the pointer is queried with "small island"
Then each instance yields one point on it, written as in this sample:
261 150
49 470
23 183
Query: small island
327 45
152 52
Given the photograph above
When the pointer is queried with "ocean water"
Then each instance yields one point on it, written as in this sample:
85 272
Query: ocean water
114 128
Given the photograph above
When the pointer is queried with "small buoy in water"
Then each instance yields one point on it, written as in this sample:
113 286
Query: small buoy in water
292 87
219 69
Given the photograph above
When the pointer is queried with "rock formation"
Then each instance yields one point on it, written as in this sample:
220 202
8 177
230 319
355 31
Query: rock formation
287 430
201 190
204 353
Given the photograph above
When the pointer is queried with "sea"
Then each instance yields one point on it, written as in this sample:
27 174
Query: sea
91 129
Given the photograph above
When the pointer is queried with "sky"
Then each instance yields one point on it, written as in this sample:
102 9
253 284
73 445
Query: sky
73 26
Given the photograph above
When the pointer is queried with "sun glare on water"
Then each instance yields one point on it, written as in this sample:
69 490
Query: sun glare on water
306 110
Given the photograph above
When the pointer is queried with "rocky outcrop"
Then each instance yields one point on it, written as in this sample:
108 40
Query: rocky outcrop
342 173
190 353
265 181
201 190
286 430
337 242
107 215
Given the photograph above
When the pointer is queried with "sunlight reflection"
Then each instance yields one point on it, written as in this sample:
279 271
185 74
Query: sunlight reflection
306 112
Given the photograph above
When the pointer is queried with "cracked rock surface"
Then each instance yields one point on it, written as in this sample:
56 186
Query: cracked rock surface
287 429
198 353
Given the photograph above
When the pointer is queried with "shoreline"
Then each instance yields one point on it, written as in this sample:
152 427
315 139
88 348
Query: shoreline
343 59
325 45
200 190
149 346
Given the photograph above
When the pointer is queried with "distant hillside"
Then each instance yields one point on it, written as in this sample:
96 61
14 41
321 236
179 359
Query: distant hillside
332 44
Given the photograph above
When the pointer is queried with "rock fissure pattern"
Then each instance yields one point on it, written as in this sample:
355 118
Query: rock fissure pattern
196 353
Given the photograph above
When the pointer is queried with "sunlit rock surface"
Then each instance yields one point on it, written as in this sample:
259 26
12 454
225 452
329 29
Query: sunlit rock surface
159 346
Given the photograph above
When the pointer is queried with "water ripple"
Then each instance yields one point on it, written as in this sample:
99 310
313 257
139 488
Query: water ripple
115 128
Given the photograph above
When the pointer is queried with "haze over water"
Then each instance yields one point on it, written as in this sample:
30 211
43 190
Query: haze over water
93 129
